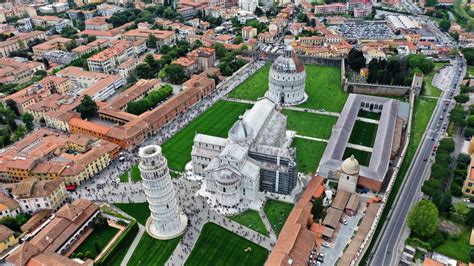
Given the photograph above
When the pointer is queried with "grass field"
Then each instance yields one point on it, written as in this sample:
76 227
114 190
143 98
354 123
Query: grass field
101 236
277 212
252 220
457 248
218 246
310 124
362 157
135 173
124 177
139 211
216 121
364 134
470 71
429 89
323 86
253 87
370 115
308 153
152 251
422 112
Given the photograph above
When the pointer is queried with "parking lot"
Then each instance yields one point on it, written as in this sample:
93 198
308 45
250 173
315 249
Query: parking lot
342 238
365 30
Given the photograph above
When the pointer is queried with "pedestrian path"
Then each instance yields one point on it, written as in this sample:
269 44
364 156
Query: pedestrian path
311 138
267 224
359 147
368 120
320 112
141 230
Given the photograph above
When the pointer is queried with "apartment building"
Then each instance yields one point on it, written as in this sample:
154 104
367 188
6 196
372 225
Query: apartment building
20 42
15 71
335 8
108 60
163 37
98 23
58 43
34 195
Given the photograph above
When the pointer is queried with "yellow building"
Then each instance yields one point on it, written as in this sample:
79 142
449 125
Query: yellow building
7 238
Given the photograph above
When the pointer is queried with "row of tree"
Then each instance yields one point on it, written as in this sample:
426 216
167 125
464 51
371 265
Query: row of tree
150 100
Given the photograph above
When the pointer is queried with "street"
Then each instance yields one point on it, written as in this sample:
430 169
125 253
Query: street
387 249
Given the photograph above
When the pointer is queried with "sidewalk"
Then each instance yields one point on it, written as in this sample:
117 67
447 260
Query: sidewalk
141 230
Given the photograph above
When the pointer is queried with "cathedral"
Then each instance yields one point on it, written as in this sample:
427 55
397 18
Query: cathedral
256 156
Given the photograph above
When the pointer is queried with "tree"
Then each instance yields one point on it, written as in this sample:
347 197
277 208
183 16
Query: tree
88 255
318 209
470 218
258 12
444 25
431 3
238 39
220 50
151 41
87 108
446 144
175 73
356 59
431 187
423 218
442 200
12 105
28 118
461 98
459 212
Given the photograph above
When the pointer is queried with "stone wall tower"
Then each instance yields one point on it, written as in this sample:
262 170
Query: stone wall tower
167 220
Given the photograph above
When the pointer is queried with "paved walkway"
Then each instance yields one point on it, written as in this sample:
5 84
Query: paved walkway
267 224
359 147
368 120
299 109
310 138
141 230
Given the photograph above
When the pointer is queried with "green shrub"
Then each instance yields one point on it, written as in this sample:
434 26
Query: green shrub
120 244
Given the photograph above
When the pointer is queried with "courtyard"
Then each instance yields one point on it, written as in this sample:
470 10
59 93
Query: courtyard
218 246
362 157
95 242
363 134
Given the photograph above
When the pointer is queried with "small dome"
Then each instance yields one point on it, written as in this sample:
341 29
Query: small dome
227 177
350 166
240 131
288 62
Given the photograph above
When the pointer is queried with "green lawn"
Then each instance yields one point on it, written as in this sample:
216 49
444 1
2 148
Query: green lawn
277 212
457 248
252 220
423 110
363 133
370 115
218 246
135 173
216 121
362 157
152 251
139 211
101 236
253 87
323 86
310 124
429 89
124 177
308 154
470 71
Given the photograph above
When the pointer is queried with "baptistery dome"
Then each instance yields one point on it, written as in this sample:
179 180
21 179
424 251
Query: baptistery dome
287 79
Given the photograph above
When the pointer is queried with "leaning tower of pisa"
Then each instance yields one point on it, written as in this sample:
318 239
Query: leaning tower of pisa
167 220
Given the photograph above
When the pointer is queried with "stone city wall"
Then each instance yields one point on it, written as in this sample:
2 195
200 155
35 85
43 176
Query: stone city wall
375 89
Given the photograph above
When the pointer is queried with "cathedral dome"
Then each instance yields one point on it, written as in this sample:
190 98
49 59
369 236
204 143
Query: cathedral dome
350 166
227 177
240 131
288 62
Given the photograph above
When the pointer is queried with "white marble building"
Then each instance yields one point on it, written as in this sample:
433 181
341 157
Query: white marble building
248 5
255 157
287 79
167 220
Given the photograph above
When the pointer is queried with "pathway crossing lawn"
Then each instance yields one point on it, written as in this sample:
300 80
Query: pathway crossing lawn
253 87
457 248
308 154
310 124
252 220
323 86
429 89
362 157
101 236
152 251
139 211
216 121
218 246
363 133
277 212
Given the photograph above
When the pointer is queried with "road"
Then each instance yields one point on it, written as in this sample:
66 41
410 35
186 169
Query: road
386 251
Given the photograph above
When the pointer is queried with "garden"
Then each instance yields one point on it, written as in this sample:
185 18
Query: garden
363 133
101 235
